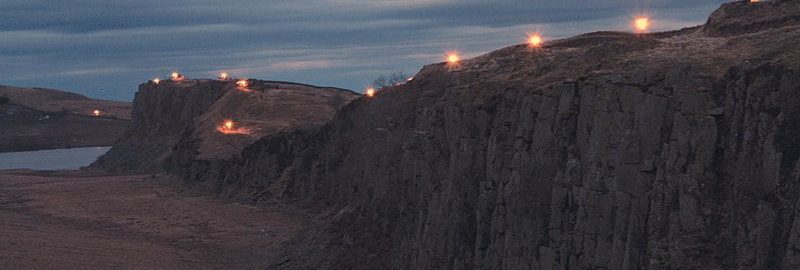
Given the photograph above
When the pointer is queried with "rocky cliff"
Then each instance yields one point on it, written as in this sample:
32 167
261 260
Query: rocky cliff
192 113
608 150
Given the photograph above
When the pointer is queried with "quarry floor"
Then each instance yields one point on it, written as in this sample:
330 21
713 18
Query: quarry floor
80 220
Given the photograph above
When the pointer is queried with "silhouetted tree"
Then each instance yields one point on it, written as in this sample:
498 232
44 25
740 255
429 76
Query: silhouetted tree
387 80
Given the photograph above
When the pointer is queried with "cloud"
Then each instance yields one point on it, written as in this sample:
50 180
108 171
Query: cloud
302 65
344 43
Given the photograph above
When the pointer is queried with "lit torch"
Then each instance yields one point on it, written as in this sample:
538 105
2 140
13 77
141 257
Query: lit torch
453 58
242 84
96 112
230 127
535 41
370 92
177 76
156 81
223 76
641 24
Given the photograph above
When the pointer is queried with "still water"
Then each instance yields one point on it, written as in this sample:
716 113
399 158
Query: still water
58 159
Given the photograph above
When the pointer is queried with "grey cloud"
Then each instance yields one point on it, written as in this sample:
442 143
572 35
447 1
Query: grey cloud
105 48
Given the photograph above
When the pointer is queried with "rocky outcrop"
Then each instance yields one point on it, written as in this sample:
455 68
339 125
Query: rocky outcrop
741 17
605 151
177 124
261 110
608 150
161 112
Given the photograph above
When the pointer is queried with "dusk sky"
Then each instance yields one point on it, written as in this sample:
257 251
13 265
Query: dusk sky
104 49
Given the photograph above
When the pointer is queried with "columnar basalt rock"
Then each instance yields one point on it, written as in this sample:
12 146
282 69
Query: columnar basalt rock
176 123
161 112
605 151
675 150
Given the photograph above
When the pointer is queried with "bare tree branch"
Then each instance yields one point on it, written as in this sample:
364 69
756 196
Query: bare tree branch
387 80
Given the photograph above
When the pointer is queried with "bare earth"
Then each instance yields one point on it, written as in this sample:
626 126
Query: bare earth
75 220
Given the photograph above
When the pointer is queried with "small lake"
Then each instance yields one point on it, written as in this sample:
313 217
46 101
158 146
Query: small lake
58 159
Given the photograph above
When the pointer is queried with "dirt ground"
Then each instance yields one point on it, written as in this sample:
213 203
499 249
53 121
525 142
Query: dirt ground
78 220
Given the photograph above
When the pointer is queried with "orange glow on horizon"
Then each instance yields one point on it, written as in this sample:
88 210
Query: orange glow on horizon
641 24
535 40
223 76
754 1
370 92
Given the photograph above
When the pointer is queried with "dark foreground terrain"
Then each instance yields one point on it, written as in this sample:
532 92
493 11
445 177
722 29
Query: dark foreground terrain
75 220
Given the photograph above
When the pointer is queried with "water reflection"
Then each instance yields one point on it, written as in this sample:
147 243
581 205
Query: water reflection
58 159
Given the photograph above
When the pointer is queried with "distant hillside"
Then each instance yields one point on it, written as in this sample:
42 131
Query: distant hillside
37 119
49 100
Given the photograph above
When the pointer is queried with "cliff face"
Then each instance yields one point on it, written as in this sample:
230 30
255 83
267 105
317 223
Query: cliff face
173 114
609 150
161 112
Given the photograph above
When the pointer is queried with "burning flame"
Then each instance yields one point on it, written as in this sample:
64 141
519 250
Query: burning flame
223 76
242 83
370 92
229 127
177 76
754 1
535 40
96 112
641 24
453 58
156 80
